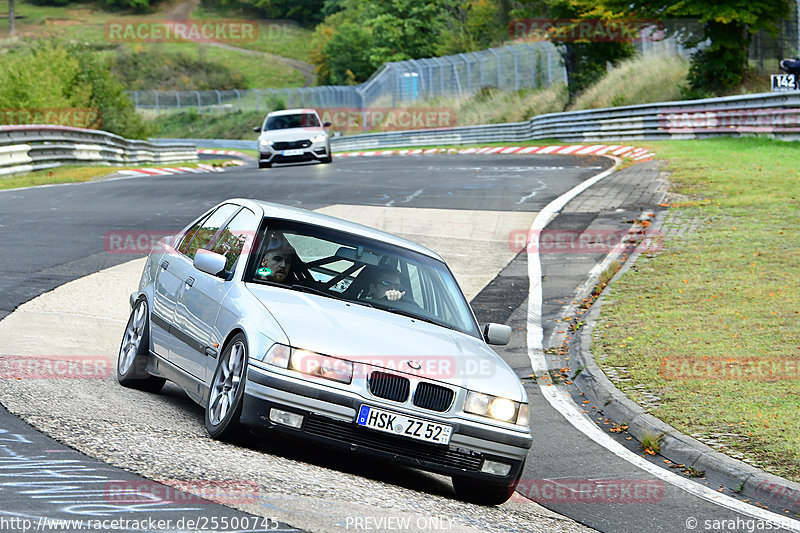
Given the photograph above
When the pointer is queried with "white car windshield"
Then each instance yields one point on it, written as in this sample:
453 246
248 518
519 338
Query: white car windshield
299 120
341 265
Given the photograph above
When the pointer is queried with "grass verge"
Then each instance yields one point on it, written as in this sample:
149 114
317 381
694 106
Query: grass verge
711 324
75 173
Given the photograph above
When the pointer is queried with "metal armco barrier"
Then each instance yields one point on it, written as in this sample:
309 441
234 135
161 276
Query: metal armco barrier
773 114
36 147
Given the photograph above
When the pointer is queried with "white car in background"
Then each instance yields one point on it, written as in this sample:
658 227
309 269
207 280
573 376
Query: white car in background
293 135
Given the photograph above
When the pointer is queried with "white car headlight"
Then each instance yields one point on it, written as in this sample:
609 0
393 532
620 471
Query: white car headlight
266 143
319 138
495 407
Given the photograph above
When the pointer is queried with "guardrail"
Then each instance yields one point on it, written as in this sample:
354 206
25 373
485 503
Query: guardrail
36 147
773 114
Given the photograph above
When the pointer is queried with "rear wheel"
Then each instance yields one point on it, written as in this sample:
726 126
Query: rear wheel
227 390
134 352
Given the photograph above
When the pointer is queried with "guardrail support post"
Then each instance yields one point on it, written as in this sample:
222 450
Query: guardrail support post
238 99
156 95
199 107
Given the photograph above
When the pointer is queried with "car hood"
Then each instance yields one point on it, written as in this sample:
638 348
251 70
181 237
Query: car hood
379 338
291 134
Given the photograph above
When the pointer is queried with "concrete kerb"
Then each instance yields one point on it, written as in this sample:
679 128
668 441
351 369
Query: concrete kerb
674 445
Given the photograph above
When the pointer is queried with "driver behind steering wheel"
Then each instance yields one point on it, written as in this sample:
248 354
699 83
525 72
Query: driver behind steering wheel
385 285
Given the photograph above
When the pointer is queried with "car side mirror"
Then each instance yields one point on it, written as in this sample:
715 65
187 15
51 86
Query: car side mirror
210 262
326 124
257 129
497 334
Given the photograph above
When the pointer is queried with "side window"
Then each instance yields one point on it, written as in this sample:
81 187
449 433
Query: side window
416 284
232 239
202 237
187 237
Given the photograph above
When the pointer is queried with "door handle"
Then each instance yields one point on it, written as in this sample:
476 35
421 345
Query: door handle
164 265
190 282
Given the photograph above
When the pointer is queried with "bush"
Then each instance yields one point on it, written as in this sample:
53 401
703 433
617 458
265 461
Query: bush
57 77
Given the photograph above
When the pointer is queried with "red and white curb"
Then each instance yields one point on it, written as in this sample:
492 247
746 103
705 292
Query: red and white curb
200 169
630 152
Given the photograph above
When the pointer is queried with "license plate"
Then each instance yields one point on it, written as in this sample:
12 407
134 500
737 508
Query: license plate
292 152
407 426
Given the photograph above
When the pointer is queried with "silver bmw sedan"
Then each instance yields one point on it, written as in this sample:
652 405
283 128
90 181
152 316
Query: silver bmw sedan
303 324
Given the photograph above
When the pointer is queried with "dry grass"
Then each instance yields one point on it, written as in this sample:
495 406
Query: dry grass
637 81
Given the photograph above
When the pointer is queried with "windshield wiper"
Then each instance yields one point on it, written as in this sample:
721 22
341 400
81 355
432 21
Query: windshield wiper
312 290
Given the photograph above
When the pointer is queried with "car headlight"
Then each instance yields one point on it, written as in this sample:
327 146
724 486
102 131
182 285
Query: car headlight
497 408
266 143
319 138
310 363
278 355
315 364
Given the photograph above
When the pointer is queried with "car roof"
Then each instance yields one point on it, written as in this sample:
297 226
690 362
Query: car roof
285 212
291 112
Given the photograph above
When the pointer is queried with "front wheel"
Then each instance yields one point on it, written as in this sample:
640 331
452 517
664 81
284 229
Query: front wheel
327 159
134 352
263 164
481 492
227 390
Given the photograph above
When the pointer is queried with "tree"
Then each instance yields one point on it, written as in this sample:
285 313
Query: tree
585 60
728 25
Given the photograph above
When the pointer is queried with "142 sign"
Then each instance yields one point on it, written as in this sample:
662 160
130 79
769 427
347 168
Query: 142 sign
785 82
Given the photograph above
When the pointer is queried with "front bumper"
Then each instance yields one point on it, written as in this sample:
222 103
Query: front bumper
315 152
329 418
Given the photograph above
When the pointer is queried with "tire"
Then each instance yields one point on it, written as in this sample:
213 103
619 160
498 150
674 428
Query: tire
327 160
134 352
227 391
264 165
483 493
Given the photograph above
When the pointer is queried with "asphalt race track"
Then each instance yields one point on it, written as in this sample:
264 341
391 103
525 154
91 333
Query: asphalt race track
57 234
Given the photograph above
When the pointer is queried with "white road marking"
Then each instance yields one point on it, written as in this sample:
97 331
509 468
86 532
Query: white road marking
567 408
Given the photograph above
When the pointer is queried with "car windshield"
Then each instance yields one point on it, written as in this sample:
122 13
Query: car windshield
299 120
349 267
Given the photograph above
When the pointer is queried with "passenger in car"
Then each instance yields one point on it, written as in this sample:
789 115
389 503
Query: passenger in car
277 261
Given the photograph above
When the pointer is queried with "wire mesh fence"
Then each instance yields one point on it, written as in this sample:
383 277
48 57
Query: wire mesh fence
527 65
